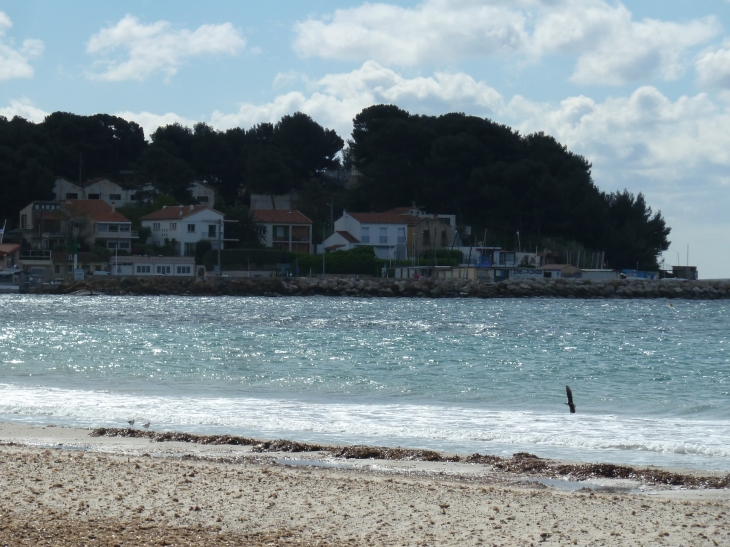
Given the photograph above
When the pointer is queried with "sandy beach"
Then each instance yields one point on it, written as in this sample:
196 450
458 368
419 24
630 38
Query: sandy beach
60 486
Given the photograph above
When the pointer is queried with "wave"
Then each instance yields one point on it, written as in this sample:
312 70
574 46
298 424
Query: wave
439 427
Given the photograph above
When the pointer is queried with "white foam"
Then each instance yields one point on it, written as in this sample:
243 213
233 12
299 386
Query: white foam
446 428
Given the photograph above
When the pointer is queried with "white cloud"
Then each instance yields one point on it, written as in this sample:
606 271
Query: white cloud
25 109
157 47
434 31
15 62
713 68
335 99
611 48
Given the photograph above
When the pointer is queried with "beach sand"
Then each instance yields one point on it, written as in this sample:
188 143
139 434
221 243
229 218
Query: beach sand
59 486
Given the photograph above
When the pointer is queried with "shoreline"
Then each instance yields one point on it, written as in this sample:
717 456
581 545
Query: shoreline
60 486
389 288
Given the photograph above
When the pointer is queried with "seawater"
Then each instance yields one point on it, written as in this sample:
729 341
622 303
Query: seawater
651 378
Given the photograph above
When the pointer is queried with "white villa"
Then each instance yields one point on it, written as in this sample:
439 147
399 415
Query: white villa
186 224
385 232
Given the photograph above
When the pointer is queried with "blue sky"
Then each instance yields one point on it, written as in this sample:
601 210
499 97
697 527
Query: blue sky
640 88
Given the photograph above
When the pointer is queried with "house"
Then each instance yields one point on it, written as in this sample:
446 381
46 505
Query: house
385 232
186 225
9 256
101 188
97 221
289 229
428 232
173 266
44 223
127 189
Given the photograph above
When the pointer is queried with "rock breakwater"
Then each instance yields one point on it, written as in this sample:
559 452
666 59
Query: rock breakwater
371 287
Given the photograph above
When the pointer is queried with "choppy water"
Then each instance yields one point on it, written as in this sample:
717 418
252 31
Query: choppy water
651 380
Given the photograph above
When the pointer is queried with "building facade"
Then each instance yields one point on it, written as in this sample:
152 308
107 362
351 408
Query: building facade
145 266
289 230
386 233
186 225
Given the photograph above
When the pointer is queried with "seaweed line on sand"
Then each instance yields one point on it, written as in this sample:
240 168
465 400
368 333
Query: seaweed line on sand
521 462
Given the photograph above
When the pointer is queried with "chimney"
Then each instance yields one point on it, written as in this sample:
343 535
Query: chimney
164 206
114 209
192 207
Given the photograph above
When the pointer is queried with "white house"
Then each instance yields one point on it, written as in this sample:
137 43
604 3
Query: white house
385 232
290 230
186 224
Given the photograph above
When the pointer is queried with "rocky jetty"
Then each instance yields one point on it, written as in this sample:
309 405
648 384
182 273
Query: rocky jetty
372 287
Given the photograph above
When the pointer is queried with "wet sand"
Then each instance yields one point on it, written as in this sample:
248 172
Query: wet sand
60 486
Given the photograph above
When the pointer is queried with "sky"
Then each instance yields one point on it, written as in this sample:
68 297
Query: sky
641 88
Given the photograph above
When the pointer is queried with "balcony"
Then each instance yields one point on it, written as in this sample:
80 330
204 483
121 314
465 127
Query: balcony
118 235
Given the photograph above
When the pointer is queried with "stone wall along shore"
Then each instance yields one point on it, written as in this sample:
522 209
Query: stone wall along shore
371 287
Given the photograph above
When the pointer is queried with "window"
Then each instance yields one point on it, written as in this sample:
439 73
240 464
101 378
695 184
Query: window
184 269
280 232
191 228
113 227
190 249
156 226
211 230
94 196
173 226
58 269
426 237
70 268
72 195
115 197
133 197
163 270
401 235
111 245
124 227
143 269
365 236
97 268
102 227
444 239
383 235
124 244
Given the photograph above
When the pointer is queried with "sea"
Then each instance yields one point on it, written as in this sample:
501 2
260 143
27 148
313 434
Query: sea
650 378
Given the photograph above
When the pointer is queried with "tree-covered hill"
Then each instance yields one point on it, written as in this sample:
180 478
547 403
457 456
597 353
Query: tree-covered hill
497 180
491 177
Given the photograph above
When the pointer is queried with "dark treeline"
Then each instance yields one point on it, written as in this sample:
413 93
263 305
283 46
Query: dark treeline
491 177
497 180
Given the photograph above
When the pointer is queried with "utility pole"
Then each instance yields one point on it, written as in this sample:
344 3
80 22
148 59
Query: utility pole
220 242
323 250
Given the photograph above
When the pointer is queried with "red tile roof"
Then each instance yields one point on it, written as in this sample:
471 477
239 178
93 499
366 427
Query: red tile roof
383 218
348 236
8 248
95 209
280 216
172 212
